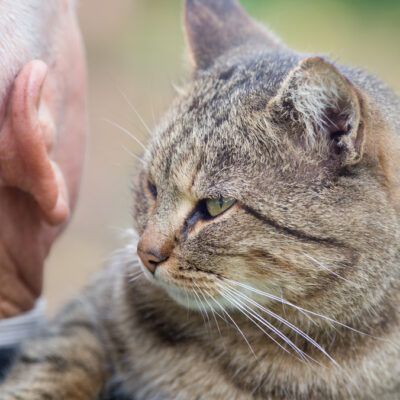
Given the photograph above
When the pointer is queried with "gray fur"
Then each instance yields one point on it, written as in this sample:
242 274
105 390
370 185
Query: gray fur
316 223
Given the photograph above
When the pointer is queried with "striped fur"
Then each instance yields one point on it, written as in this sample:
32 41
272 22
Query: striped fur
293 292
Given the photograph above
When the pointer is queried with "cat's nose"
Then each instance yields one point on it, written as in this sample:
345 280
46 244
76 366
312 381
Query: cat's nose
151 260
154 250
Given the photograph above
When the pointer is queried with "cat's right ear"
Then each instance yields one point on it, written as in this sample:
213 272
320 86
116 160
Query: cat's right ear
325 107
215 26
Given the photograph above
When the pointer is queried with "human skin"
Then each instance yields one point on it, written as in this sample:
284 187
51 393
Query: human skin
42 138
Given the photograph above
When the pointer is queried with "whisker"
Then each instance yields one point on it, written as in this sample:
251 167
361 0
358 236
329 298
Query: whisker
288 324
131 135
178 89
211 307
270 326
246 314
237 327
198 302
216 312
135 278
302 312
283 305
133 271
301 309
201 304
135 111
133 154
213 314
153 115
187 303
320 264
281 300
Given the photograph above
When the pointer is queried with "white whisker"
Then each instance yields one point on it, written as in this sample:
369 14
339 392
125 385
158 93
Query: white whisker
135 111
270 326
245 311
135 278
130 134
216 312
301 309
237 327
211 307
202 306
320 264
287 323
133 154
187 304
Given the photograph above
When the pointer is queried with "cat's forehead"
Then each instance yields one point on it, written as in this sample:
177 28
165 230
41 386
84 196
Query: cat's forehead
211 131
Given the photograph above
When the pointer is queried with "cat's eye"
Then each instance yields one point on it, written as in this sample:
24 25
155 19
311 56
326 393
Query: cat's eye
218 206
152 189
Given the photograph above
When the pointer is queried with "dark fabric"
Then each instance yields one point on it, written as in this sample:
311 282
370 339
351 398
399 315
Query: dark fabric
7 356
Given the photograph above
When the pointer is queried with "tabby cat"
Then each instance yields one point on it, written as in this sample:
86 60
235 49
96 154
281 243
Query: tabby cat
267 261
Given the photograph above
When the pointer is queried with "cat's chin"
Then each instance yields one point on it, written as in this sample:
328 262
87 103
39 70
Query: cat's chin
191 301
183 298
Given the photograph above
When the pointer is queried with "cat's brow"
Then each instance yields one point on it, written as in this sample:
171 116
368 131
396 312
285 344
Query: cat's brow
293 232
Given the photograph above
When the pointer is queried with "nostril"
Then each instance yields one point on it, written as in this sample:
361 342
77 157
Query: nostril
153 252
157 260
151 261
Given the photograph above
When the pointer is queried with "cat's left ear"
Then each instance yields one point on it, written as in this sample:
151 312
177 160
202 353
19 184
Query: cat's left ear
214 27
326 105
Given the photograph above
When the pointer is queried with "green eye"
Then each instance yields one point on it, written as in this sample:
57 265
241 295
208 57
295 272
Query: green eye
218 206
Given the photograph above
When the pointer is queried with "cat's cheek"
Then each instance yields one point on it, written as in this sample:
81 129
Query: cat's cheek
163 274
168 273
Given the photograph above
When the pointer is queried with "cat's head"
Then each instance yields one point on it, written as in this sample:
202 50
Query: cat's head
272 172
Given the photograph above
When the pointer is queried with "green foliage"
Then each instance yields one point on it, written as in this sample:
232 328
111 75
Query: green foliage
362 6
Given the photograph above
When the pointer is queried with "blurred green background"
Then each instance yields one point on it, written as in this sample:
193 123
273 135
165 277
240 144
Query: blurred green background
136 47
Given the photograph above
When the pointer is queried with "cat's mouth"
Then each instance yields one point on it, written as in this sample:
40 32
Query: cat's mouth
191 287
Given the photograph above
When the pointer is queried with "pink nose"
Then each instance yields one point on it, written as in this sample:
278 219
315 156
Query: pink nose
150 259
154 248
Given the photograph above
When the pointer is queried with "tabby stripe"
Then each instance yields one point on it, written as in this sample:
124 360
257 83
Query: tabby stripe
44 395
59 364
293 232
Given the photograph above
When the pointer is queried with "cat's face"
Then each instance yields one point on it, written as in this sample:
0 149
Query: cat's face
257 179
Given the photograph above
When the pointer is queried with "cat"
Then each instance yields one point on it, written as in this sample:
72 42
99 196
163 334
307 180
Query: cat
266 259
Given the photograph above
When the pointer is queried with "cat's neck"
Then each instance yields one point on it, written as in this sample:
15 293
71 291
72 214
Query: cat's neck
253 356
